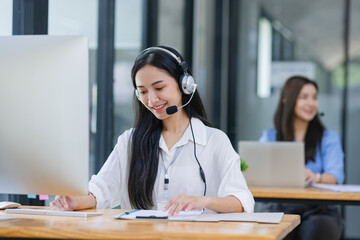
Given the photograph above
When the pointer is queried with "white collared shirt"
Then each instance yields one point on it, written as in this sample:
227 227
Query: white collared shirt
220 162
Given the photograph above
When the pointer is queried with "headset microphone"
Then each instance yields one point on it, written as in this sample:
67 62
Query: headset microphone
321 114
173 109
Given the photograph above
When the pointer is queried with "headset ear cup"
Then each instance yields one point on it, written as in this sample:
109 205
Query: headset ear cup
188 83
137 94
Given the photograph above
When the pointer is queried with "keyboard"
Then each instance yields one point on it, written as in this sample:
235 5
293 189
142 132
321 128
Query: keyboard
53 212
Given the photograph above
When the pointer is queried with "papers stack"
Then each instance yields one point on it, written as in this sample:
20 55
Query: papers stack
199 217
338 187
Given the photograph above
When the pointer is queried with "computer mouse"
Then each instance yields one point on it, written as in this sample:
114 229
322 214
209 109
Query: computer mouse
5 205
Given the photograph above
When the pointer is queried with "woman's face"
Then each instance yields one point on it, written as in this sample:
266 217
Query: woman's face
306 104
158 90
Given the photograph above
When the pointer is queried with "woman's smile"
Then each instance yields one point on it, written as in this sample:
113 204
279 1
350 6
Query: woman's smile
159 108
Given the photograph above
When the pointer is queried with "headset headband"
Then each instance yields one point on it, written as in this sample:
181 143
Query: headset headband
181 63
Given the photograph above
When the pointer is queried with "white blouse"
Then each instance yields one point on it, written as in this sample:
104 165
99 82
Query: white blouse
220 162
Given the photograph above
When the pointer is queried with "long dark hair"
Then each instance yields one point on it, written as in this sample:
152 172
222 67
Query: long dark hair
144 145
284 117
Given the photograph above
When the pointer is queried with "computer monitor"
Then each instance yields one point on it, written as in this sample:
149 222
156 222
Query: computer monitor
44 121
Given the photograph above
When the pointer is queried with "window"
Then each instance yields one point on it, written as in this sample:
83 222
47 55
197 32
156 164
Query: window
127 47
80 17
6 17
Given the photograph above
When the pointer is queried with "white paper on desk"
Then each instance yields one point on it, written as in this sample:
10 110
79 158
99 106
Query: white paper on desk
182 216
260 217
338 187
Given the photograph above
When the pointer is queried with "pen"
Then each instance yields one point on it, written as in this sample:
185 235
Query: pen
152 217
128 212
131 211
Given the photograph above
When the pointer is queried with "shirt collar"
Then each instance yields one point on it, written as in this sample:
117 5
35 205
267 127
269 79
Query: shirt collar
199 133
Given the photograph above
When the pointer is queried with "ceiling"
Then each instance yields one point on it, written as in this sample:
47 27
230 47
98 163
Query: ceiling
318 26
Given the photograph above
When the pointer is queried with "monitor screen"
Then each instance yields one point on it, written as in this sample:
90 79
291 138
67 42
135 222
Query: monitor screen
44 122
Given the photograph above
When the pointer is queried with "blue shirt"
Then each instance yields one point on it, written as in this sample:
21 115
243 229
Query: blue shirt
328 159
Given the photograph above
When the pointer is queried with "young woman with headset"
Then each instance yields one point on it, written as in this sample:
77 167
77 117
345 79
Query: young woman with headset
172 159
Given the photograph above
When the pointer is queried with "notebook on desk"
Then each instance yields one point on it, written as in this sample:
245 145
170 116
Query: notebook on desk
273 163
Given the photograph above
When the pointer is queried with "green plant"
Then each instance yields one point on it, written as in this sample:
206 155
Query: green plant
243 165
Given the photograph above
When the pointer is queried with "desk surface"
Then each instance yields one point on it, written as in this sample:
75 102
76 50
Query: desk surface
307 193
105 227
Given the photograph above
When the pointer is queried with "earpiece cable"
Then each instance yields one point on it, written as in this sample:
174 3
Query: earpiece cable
202 174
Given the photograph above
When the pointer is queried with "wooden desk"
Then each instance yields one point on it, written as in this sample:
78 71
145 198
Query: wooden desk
105 227
307 194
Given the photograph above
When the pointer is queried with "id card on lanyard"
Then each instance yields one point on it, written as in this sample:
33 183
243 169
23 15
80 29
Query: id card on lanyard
165 198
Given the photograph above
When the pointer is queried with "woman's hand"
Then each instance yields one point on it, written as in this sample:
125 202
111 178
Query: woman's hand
184 202
64 203
67 203
311 177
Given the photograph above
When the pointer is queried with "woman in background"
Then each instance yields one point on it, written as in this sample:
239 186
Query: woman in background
296 119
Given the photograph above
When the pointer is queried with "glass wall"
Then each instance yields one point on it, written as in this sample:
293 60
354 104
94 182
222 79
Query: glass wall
80 17
171 24
203 57
127 47
298 40
353 117
6 17
295 43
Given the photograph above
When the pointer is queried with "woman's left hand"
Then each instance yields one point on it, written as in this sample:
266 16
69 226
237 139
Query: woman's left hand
311 177
184 202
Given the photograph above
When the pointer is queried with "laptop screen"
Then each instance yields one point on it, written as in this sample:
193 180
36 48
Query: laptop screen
273 163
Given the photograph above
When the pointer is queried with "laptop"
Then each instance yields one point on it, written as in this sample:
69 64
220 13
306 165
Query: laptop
273 163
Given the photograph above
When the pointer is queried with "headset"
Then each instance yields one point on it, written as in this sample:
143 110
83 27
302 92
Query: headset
188 87
186 81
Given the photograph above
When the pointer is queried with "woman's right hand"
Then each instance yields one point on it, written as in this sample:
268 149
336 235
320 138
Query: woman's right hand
65 203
